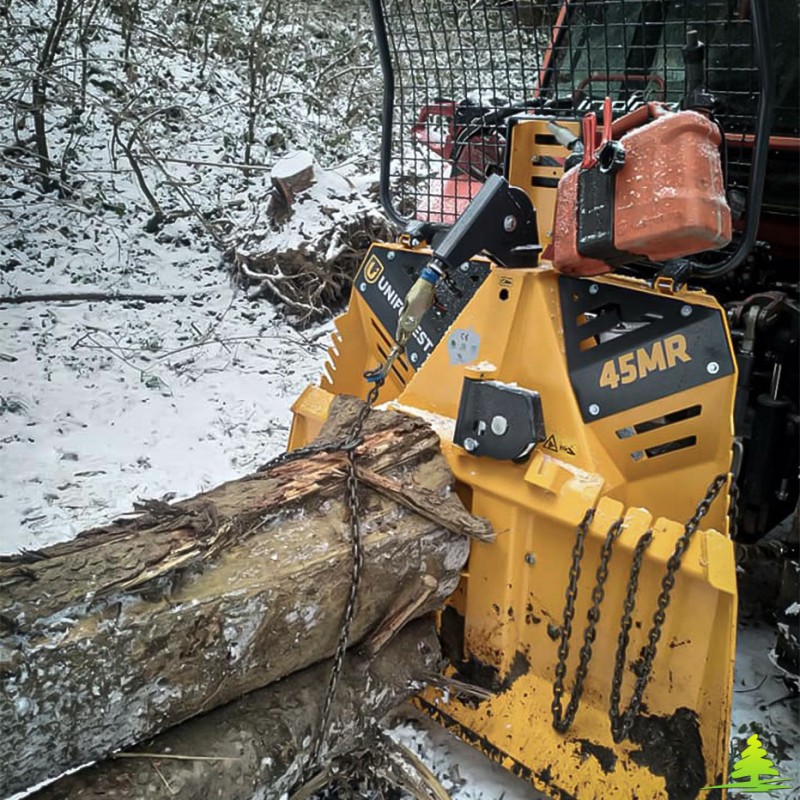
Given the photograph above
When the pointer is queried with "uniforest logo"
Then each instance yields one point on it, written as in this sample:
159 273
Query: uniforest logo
373 270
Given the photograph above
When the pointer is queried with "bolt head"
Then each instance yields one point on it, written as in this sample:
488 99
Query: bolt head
530 558
712 368
686 311
362 286
499 425
535 158
415 242
594 289
464 267
510 223
470 444
390 255
414 358
594 409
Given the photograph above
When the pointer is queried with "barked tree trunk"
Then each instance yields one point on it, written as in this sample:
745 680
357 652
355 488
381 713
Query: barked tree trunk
130 629
257 746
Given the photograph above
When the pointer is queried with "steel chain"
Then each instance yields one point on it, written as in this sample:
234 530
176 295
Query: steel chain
349 447
562 720
733 509
569 613
621 722
624 636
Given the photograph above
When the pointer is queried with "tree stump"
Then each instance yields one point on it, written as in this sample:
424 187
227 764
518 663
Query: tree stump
292 174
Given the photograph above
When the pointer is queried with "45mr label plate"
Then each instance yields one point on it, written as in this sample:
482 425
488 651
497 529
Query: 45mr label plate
626 347
384 280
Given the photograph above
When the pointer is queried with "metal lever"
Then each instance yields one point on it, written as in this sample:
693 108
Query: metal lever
608 118
589 139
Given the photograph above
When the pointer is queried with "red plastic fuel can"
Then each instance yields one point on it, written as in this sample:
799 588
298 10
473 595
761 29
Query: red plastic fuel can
668 198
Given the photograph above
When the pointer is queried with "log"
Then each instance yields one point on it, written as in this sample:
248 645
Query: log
256 746
293 174
132 628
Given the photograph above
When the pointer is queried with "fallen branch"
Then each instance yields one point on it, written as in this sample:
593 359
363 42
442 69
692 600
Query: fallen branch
96 297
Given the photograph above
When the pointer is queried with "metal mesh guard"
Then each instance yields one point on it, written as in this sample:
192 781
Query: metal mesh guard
461 67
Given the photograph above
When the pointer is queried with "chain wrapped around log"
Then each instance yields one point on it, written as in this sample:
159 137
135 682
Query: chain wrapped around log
130 629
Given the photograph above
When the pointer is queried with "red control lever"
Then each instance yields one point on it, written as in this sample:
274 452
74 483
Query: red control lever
589 139
608 116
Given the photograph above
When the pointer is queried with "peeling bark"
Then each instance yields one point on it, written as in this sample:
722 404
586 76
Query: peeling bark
255 747
132 628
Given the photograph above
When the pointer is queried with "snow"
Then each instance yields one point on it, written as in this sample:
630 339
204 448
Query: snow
462 770
116 404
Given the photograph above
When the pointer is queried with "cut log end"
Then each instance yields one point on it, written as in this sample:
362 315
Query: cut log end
293 174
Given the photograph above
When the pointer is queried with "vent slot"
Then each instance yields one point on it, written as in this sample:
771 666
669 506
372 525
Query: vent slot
377 328
660 422
670 447
604 324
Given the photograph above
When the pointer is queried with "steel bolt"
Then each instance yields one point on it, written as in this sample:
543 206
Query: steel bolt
390 255
594 289
415 242
530 558
712 368
510 223
536 158
594 409
362 286
470 444
686 311
499 425
464 267
414 358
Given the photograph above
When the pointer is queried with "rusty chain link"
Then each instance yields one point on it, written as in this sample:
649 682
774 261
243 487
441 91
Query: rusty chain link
620 722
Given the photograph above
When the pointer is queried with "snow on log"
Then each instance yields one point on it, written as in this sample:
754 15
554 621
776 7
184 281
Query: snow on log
292 174
129 629
256 747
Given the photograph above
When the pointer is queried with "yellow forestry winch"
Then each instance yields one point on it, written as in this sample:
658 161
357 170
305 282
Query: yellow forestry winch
584 394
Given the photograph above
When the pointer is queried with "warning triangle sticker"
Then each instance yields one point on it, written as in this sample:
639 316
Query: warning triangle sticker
550 443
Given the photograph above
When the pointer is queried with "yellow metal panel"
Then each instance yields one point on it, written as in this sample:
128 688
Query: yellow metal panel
510 603
535 155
